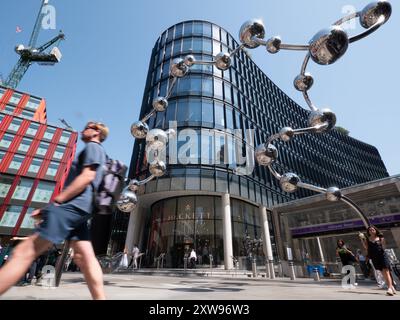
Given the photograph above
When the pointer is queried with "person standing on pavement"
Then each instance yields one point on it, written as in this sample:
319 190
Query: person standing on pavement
135 256
66 218
374 243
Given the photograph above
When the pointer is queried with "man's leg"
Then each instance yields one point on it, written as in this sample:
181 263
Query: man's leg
87 262
21 259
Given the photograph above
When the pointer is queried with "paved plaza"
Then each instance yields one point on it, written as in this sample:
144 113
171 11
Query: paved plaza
161 287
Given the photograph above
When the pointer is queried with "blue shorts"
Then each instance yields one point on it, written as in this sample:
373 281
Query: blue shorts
64 222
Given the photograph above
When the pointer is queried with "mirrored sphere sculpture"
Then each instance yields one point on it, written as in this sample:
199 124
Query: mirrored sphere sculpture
323 120
274 45
250 29
303 82
333 194
178 68
328 45
189 60
157 168
265 155
133 185
286 134
375 11
127 201
223 61
139 129
160 104
289 182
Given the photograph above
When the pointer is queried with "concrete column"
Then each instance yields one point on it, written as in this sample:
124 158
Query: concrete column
130 234
269 263
227 231
321 253
278 234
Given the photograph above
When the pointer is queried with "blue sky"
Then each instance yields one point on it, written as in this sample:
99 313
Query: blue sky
107 51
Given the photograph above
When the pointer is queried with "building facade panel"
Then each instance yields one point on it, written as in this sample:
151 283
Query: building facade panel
35 158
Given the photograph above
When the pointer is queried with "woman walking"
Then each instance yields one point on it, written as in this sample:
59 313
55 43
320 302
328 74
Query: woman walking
375 246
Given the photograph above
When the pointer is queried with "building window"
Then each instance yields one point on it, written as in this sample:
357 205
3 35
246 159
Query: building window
15 125
27 114
15 99
33 104
11 216
25 144
10 108
23 189
207 114
16 162
43 147
6 140
59 153
2 154
218 88
219 114
187 31
28 222
49 134
35 166
43 192
5 185
32 130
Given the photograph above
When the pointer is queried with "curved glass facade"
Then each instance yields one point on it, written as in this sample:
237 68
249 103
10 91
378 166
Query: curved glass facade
242 97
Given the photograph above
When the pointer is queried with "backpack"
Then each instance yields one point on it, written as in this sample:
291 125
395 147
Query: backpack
110 188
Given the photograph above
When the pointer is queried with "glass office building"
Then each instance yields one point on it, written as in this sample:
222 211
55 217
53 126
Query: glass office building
34 161
186 208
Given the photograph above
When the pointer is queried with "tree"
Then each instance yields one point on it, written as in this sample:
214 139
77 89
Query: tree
342 130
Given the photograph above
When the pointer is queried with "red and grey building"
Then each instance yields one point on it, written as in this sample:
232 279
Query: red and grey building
35 158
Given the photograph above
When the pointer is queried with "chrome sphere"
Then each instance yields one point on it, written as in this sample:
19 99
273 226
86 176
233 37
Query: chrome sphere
133 185
286 134
265 155
223 61
320 117
160 104
333 194
157 168
274 45
139 129
328 45
127 201
250 29
178 68
156 139
189 60
289 182
373 12
304 82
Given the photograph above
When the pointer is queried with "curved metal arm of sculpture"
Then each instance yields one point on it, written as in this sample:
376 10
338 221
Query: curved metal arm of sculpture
357 209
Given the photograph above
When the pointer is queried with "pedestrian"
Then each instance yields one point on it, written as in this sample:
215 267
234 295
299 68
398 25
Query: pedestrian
193 258
374 243
135 256
346 256
66 218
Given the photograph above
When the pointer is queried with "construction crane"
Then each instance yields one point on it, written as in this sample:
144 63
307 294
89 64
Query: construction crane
65 123
31 54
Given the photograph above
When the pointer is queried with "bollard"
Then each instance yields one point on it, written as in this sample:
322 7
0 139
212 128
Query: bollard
185 263
162 255
316 274
291 270
254 268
